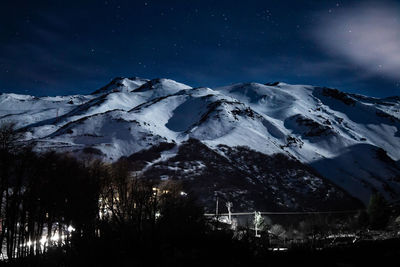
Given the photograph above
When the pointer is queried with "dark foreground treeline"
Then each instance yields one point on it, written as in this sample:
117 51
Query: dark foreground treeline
118 219
58 211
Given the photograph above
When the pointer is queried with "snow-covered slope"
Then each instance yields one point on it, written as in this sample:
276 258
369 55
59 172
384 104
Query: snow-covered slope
352 140
25 109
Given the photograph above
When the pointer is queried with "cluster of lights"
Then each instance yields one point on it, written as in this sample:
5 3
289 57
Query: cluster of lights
157 190
44 240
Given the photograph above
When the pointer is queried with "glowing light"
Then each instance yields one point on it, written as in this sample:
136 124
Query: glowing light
55 237
43 240
71 228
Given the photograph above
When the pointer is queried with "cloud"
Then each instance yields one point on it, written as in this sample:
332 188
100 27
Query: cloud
366 35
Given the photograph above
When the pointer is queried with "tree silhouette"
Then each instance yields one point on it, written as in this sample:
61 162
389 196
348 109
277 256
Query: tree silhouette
378 211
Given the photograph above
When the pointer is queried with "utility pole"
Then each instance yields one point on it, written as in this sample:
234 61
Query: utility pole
216 206
216 210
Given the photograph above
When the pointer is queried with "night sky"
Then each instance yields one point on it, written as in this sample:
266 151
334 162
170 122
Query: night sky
75 47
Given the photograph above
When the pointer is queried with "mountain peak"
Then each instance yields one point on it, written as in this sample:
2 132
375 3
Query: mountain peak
162 83
160 87
121 84
276 83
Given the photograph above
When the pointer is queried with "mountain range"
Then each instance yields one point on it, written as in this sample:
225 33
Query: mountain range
272 146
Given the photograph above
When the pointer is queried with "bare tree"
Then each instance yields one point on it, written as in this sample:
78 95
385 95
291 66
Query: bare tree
10 137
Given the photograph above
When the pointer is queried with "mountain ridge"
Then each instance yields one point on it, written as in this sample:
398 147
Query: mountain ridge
318 126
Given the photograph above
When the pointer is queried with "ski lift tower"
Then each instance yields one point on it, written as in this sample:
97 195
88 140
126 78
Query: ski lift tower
229 205
257 222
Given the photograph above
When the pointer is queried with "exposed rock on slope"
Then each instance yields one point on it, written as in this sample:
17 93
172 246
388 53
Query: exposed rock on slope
249 179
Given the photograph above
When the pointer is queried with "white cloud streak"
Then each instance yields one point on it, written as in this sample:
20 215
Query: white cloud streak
367 35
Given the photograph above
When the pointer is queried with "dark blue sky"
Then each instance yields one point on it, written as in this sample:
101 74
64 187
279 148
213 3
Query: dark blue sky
74 47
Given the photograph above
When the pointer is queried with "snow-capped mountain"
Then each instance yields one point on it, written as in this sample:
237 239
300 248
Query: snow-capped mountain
351 140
